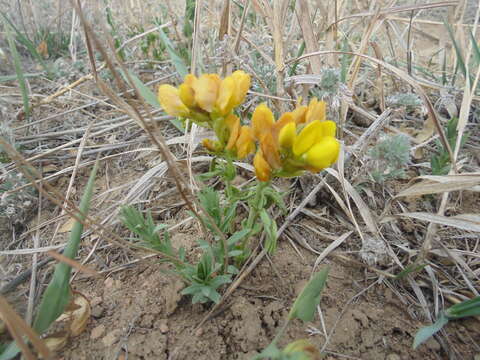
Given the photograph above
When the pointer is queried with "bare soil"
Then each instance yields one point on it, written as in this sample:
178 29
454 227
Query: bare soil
138 313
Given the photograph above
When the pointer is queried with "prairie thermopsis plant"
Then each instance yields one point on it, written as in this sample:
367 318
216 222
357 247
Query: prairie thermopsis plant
299 140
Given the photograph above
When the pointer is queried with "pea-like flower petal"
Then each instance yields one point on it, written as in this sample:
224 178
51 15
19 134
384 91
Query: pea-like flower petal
245 143
206 91
299 114
262 120
187 95
270 150
281 122
262 169
307 137
316 110
226 95
242 84
324 153
233 125
169 99
287 135
329 128
211 145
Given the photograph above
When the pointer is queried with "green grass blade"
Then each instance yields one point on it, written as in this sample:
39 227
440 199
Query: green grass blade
458 51
177 61
465 308
57 295
150 97
306 304
28 44
300 52
476 49
426 332
6 78
411 268
147 94
18 69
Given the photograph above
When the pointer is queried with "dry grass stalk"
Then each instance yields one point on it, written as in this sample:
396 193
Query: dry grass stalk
311 44
18 328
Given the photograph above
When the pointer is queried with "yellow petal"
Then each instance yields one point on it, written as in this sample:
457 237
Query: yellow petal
287 135
299 114
242 84
316 111
329 128
262 169
187 95
262 120
270 150
280 123
189 79
324 153
210 145
233 124
169 99
206 91
245 143
307 137
225 95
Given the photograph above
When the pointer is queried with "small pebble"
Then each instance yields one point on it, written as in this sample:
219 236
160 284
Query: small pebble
97 332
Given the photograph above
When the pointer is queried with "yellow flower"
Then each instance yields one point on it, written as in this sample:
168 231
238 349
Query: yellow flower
262 169
288 153
211 145
287 135
316 110
245 143
233 90
324 153
187 94
233 124
262 120
242 84
206 91
169 98
316 144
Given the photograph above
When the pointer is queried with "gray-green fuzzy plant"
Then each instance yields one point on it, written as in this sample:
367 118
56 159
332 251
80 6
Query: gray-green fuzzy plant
407 101
389 158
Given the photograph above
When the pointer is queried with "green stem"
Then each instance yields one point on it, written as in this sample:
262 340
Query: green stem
254 207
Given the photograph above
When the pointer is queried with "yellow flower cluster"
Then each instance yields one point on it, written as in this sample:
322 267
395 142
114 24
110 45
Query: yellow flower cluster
209 101
299 140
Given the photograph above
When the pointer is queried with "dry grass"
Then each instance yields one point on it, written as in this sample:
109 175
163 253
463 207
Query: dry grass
392 47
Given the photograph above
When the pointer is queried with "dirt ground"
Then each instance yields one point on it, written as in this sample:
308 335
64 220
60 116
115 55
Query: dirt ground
138 313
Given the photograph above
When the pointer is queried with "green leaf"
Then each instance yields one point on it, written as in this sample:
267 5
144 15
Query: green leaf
307 302
271 351
57 295
176 59
147 94
270 228
150 97
14 77
18 69
476 49
236 237
465 308
426 332
28 44
411 268
10 351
